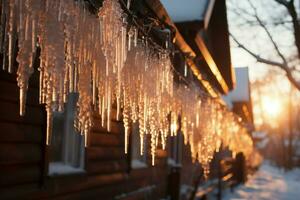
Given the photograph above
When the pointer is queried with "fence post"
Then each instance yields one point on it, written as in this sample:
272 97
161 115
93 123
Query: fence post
174 183
220 175
240 168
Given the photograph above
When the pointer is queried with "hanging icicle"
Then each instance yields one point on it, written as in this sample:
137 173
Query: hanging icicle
106 66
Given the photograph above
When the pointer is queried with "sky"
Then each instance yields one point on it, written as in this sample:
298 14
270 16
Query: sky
244 27
254 37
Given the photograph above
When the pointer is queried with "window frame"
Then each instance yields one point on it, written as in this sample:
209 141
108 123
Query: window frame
175 149
137 161
72 141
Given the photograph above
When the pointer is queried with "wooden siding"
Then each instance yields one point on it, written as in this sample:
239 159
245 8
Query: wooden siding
108 174
23 157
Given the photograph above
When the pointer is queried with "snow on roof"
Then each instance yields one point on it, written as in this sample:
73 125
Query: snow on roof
186 10
241 91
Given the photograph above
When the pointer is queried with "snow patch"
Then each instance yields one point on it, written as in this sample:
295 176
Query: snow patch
58 168
136 164
269 183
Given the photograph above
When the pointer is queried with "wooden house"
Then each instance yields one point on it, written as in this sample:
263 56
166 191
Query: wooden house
239 99
29 169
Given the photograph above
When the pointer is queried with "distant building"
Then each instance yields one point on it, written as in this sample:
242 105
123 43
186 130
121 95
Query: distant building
239 99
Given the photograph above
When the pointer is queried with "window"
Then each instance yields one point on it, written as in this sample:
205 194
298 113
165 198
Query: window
67 146
175 147
137 160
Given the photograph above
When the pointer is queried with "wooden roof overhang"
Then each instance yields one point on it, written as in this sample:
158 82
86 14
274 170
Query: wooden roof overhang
197 49
180 42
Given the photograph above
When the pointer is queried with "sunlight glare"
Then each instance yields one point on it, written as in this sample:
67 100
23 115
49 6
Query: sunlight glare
271 106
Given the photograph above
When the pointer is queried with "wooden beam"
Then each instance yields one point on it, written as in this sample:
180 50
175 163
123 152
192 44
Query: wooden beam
104 153
208 13
160 11
19 153
211 63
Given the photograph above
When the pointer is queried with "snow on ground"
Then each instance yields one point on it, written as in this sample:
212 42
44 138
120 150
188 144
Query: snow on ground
269 183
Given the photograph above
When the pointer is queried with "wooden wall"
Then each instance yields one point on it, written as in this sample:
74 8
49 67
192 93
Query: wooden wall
23 157
21 138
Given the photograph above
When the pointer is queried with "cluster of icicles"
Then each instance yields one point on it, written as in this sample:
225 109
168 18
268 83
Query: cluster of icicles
110 68
207 126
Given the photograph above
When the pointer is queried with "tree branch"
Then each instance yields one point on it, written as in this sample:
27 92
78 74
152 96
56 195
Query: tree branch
293 14
283 66
256 56
264 27
282 2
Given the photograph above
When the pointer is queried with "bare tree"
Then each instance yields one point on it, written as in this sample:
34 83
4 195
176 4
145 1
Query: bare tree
281 61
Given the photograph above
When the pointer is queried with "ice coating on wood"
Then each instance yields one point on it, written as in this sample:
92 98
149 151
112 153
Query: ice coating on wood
109 67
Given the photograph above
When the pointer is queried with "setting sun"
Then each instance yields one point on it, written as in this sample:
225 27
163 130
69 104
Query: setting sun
271 106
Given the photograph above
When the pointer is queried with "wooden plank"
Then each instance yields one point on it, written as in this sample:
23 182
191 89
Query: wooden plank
105 192
9 112
208 13
161 154
19 153
117 190
33 81
5 76
106 167
116 127
211 63
105 153
92 187
19 174
9 91
106 139
159 162
26 191
20 133
154 173
63 186
227 177
102 193
113 115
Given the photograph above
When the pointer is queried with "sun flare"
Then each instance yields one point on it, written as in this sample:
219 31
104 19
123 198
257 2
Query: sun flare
271 106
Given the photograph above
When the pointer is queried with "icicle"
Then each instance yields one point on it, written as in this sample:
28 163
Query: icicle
141 124
10 49
86 139
185 70
108 110
128 4
131 34
33 32
49 126
23 94
126 118
10 34
94 57
136 33
94 83
118 108
103 112
153 147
